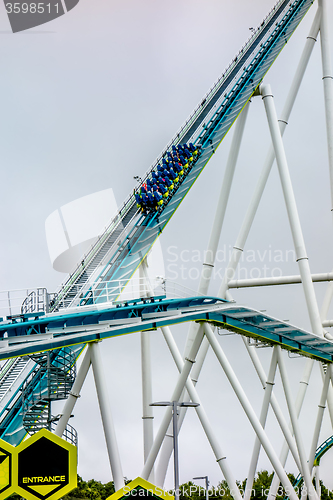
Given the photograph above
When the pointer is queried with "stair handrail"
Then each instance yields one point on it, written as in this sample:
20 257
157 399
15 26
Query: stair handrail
42 382
121 247
69 434
6 367
88 259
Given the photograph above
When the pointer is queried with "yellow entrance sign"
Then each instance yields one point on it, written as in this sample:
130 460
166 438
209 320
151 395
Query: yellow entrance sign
43 467
6 469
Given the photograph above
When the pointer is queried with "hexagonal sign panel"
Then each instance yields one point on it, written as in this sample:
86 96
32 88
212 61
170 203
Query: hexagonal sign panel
6 469
140 488
46 467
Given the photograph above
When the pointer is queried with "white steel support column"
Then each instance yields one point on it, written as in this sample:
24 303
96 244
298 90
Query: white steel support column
323 314
275 405
219 455
304 382
321 408
240 242
263 417
207 270
146 375
296 231
200 360
290 201
294 420
328 85
104 405
74 394
208 265
317 480
147 411
210 254
249 412
175 397
279 280
327 301
252 209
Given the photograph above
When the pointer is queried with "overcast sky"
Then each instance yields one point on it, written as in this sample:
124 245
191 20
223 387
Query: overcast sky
88 101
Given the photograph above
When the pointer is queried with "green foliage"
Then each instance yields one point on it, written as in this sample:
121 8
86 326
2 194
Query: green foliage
259 491
95 490
325 493
92 490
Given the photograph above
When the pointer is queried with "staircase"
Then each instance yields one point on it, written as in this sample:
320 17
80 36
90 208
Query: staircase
11 370
51 380
106 246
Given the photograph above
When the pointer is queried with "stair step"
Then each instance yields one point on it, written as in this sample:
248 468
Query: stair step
110 238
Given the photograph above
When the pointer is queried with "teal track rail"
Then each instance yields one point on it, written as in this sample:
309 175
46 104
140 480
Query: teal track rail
321 450
80 325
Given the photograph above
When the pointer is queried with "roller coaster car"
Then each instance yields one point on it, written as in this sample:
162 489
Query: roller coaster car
185 156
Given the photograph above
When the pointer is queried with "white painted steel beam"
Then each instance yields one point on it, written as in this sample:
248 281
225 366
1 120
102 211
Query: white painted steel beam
74 394
219 455
317 480
146 375
274 403
210 254
214 239
328 323
242 237
250 413
263 417
254 203
323 314
279 280
295 425
167 446
328 85
304 382
107 420
175 397
206 273
320 415
291 206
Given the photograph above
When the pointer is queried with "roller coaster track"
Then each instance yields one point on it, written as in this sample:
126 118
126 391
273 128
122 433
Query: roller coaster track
321 450
130 235
79 325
